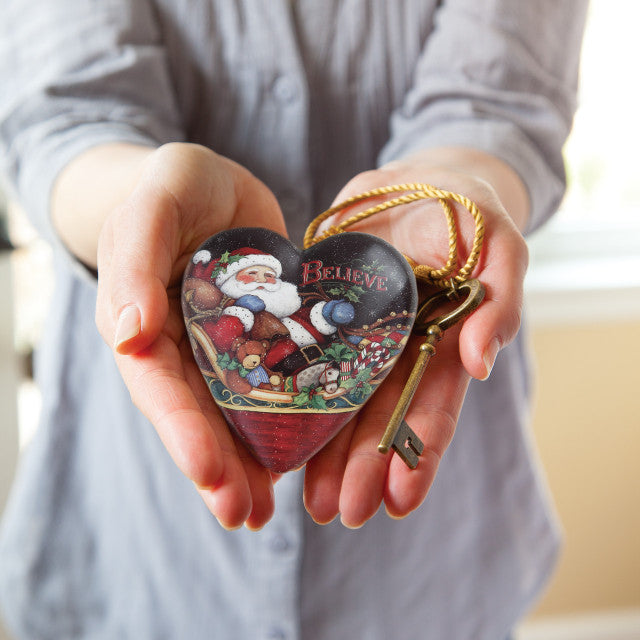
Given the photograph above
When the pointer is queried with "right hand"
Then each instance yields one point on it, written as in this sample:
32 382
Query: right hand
184 194
348 477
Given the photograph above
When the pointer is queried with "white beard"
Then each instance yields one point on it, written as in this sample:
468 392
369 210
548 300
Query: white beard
280 298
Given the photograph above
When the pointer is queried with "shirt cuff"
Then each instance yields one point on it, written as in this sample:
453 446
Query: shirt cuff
48 160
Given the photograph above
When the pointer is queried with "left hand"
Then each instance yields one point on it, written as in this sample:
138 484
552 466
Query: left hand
349 477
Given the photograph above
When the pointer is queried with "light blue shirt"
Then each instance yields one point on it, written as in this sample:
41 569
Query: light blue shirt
103 537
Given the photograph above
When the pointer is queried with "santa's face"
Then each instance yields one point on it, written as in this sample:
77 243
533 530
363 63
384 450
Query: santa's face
259 275
280 298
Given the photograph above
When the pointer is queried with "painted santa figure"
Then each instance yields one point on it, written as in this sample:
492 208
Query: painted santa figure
252 280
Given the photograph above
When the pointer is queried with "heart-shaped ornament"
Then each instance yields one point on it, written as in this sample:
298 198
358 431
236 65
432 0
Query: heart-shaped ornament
293 343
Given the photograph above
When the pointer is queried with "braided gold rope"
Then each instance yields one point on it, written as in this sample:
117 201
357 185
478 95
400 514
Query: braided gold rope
426 272
443 277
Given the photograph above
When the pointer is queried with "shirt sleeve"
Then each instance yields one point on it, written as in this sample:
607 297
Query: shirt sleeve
499 76
75 74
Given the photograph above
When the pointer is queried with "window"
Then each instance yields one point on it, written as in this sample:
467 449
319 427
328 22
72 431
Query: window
585 264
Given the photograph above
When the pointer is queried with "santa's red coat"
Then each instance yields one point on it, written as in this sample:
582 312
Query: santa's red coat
224 331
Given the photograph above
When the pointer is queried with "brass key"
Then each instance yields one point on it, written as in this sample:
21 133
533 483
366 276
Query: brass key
399 435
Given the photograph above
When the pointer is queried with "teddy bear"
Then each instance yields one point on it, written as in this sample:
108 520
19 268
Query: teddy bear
250 354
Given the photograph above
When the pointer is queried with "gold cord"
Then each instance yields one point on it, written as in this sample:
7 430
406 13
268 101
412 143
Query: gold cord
446 276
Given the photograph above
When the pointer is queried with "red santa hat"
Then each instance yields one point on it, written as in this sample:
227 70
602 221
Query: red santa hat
231 263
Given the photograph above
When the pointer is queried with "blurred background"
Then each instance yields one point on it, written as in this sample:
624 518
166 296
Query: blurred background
583 309
583 303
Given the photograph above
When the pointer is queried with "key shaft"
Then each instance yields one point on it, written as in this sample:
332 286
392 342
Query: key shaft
427 350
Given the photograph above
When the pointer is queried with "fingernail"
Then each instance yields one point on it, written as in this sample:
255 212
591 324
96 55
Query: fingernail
489 356
322 522
353 527
390 515
128 325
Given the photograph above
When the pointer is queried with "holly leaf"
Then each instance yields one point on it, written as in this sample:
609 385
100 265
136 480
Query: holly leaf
362 391
335 291
215 272
224 360
302 399
366 390
318 402
374 267
352 296
226 258
354 293
223 262
339 352
349 383
363 375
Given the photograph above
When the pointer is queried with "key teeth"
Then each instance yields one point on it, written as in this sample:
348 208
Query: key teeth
408 455
408 445
417 446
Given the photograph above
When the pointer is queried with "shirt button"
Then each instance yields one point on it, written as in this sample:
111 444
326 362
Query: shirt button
285 89
276 633
280 543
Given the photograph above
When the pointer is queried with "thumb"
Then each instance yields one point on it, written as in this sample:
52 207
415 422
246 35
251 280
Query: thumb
497 321
134 270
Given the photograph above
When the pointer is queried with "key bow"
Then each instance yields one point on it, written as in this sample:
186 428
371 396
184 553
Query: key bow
475 295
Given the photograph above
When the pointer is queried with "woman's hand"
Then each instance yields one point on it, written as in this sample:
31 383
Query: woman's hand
182 194
349 476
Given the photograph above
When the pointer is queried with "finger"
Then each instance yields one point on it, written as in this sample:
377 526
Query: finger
158 387
366 470
249 476
497 321
365 474
262 494
433 415
197 440
244 493
323 476
135 257
230 502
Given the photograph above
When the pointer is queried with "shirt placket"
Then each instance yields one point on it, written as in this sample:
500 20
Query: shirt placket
278 554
